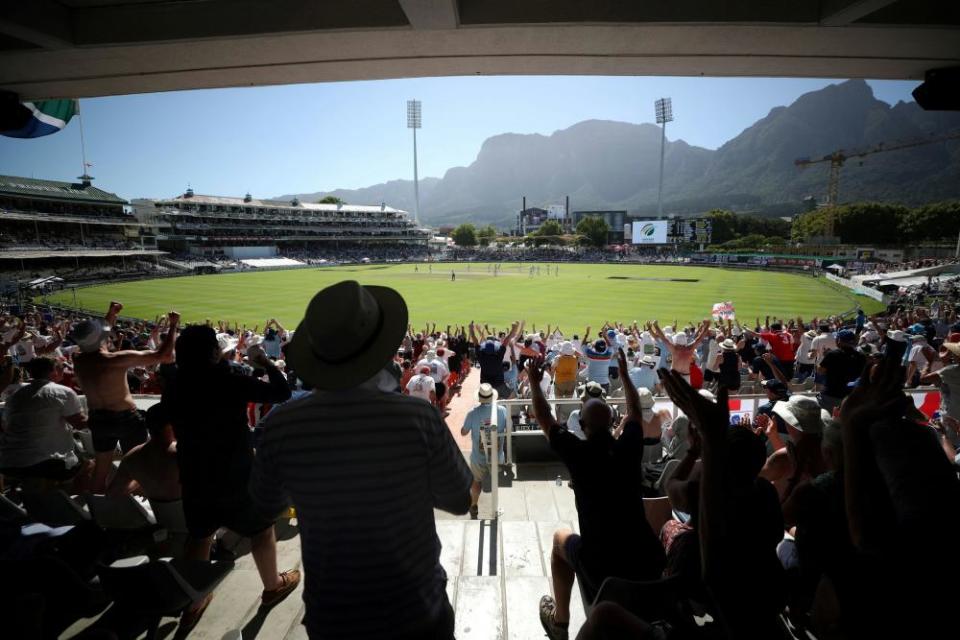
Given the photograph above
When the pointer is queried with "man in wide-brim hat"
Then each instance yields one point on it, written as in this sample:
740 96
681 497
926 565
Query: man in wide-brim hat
365 467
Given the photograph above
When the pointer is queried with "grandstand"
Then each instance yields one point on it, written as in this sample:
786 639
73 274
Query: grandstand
243 228
72 230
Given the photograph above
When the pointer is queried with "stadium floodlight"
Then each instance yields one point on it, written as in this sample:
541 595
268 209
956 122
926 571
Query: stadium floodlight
413 122
664 112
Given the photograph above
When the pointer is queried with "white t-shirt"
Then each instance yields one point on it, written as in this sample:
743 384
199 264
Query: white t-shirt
916 356
803 351
438 370
35 429
821 344
421 386
23 352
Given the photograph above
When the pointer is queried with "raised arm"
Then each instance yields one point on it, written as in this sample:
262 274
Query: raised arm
128 359
541 408
631 396
112 312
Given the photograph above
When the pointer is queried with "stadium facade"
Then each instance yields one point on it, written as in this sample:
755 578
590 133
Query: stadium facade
56 231
248 227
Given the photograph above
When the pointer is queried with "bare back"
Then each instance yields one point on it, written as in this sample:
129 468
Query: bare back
102 377
682 357
155 470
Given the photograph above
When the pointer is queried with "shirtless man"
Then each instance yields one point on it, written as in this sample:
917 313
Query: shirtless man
681 352
151 469
102 375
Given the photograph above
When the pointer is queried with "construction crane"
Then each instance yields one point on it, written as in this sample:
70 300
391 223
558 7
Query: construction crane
840 156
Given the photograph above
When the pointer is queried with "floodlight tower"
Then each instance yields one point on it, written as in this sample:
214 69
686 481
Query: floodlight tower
664 111
413 122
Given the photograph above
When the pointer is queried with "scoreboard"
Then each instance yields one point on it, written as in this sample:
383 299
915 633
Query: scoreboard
692 231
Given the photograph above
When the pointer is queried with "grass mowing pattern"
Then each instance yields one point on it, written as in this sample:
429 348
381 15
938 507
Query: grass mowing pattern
582 294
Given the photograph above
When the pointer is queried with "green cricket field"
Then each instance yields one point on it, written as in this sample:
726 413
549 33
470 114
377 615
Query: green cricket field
573 297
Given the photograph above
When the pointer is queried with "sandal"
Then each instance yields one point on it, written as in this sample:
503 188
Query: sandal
555 630
290 581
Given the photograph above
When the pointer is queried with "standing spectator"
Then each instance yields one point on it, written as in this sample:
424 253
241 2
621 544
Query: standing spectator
422 386
474 422
273 337
365 467
565 368
607 479
728 366
805 360
682 349
598 361
208 408
102 374
490 356
643 375
151 469
782 345
38 422
840 367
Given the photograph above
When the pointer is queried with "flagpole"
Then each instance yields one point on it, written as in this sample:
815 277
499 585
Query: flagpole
83 146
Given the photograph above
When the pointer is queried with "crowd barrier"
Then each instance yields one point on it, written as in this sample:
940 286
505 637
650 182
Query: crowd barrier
858 288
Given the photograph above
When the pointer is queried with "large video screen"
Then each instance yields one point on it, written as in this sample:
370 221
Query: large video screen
650 232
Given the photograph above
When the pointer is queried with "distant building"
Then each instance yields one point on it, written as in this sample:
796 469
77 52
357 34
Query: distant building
249 227
614 219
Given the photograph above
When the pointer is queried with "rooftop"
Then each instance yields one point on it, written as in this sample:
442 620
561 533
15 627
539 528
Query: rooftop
230 201
56 190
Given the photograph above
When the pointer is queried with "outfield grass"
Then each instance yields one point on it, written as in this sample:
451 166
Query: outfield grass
581 294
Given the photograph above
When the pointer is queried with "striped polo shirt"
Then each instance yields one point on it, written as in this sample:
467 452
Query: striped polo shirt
365 469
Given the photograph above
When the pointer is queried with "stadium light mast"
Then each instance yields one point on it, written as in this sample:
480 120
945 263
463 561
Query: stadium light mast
413 122
664 111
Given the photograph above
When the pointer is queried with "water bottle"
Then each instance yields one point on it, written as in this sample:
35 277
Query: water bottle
559 481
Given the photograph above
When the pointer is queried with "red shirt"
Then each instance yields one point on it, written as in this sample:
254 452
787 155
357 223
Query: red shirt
781 344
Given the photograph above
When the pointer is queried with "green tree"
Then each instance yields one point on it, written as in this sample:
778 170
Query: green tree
330 200
465 235
550 232
595 230
486 235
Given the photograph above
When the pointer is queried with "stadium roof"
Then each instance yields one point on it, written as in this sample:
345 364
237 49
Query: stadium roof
287 204
80 48
55 190
30 254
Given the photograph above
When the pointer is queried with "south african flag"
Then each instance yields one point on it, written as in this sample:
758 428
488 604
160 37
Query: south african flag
39 118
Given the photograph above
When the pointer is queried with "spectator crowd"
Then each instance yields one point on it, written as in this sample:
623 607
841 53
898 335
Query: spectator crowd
814 515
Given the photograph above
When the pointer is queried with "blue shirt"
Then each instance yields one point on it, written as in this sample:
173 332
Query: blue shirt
643 376
478 417
598 365
510 376
664 352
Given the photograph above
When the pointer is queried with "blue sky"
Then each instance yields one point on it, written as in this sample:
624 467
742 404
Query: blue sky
302 138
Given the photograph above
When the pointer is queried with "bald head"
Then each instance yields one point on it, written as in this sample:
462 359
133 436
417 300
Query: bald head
595 417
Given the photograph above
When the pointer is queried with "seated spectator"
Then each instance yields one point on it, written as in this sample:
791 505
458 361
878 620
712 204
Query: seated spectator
607 480
38 421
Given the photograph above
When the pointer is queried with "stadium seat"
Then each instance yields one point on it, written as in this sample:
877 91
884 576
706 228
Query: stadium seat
121 513
666 474
160 588
10 511
54 508
169 515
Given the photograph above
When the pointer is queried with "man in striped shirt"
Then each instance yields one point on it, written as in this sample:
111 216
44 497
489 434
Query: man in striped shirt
365 467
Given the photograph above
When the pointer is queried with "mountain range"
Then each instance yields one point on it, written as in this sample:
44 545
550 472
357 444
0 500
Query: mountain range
603 164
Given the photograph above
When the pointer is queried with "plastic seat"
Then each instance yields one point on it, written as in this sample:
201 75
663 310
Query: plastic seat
160 588
121 513
658 511
54 508
169 515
